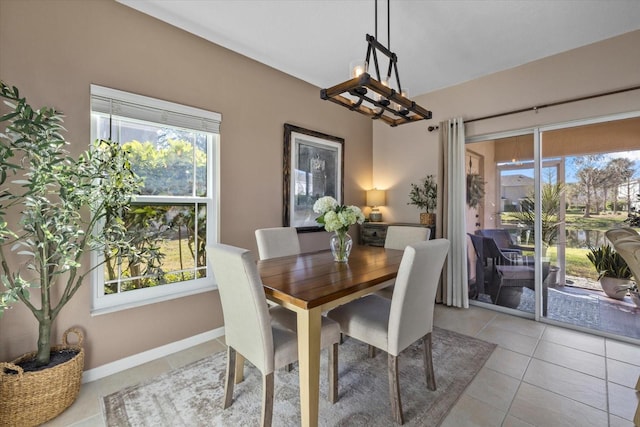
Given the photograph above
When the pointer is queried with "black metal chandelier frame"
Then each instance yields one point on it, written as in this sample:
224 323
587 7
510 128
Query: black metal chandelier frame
386 103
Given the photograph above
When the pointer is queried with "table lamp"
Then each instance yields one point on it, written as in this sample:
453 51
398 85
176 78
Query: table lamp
375 198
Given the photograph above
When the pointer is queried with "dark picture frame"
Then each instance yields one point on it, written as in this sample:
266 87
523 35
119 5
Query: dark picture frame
313 168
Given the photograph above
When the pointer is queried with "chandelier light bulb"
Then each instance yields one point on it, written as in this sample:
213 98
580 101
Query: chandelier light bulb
357 68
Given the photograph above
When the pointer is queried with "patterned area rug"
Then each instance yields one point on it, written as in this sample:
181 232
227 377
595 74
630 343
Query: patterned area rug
192 395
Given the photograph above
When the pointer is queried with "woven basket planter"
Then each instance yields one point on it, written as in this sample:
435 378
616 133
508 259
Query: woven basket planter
427 218
32 398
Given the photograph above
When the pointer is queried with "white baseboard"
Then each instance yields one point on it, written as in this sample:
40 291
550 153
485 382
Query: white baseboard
149 355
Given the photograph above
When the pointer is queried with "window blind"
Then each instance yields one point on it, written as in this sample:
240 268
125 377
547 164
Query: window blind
118 103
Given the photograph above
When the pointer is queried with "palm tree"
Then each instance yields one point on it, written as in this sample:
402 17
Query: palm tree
551 198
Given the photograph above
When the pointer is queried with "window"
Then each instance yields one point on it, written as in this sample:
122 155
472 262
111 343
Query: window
174 150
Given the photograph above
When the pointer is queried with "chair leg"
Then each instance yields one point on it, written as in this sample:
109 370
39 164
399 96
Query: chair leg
267 400
333 373
289 367
239 368
228 383
394 389
372 352
498 294
428 362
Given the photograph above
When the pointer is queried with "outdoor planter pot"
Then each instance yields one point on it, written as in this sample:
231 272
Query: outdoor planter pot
613 271
614 287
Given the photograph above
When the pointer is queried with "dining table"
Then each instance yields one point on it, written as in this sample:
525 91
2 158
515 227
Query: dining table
312 283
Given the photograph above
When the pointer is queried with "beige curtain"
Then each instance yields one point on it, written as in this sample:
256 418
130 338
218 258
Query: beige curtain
451 213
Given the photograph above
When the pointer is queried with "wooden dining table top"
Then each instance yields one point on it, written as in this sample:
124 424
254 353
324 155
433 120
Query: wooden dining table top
313 279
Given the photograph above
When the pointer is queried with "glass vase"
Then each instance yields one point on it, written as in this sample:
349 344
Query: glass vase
341 244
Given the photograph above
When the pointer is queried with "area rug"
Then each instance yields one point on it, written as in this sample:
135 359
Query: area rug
192 395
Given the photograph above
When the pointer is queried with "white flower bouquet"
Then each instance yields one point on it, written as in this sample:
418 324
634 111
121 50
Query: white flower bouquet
336 217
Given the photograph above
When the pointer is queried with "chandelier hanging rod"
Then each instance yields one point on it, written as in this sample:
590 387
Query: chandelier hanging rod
375 45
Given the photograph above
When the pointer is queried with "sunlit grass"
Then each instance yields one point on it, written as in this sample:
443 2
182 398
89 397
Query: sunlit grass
172 260
602 222
576 262
177 257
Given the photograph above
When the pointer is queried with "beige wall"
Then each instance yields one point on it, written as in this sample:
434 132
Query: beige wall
405 154
54 49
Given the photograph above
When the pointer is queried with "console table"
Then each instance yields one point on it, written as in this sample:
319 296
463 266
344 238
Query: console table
374 233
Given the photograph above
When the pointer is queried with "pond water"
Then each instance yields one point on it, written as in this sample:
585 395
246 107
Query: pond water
585 238
582 239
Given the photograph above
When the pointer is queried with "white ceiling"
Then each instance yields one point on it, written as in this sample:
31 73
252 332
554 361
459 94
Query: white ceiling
438 43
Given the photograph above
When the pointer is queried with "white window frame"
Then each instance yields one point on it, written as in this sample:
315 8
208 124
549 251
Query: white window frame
142 108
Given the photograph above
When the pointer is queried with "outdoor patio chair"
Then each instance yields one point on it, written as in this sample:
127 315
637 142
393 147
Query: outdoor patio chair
503 239
504 275
482 284
512 280
488 257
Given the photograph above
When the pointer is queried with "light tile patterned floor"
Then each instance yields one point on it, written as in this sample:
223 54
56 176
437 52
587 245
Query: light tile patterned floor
540 375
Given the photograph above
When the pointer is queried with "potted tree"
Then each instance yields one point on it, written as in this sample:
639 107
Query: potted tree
613 272
425 196
54 209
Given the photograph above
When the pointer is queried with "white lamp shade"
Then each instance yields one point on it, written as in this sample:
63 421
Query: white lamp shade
376 197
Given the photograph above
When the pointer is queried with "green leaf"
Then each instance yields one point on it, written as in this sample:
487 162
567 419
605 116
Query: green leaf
8 116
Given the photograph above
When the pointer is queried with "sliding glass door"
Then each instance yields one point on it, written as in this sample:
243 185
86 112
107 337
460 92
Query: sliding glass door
538 203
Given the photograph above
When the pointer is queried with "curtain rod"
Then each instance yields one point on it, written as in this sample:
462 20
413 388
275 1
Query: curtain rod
538 107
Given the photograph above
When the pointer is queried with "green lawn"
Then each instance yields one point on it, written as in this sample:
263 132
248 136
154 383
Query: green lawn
577 263
602 222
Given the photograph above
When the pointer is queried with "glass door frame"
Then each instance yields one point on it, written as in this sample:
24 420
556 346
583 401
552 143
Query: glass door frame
537 132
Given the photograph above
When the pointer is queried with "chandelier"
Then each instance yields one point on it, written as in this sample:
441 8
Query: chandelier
374 97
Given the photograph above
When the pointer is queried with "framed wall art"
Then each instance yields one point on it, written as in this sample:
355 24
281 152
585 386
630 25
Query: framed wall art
313 168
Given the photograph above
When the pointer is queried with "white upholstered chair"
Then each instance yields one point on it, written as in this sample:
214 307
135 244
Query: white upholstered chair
394 325
398 237
276 242
265 337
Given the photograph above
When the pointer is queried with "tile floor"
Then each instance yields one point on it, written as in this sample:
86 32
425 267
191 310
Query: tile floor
540 375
